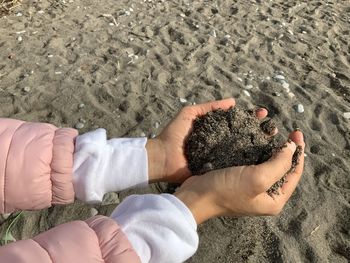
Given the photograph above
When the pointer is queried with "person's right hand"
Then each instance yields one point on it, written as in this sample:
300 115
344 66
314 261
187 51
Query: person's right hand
241 191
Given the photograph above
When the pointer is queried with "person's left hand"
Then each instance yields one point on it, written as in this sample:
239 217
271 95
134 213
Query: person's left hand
166 153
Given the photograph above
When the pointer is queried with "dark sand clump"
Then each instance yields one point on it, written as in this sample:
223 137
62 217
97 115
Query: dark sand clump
235 137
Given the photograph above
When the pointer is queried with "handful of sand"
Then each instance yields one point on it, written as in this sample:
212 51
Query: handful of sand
222 139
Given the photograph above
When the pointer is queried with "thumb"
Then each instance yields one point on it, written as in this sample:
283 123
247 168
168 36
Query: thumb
267 173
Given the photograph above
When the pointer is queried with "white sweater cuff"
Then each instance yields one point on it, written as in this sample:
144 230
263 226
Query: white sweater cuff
160 227
102 166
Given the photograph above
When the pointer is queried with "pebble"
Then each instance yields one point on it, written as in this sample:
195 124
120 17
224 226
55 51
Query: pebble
276 94
291 94
79 125
130 52
346 115
26 89
279 77
333 154
300 108
142 134
239 79
81 105
249 86
157 125
5 216
111 198
285 85
246 93
162 77
149 32
208 166
93 211
19 39
183 100
41 12
82 120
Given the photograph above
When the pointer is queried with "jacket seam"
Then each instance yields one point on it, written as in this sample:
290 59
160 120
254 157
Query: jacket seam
7 156
120 231
51 169
99 244
43 249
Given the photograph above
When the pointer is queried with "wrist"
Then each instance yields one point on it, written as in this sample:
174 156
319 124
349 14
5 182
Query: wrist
201 205
156 160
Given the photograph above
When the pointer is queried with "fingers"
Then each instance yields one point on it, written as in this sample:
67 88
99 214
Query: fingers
202 109
264 175
293 178
261 113
273 206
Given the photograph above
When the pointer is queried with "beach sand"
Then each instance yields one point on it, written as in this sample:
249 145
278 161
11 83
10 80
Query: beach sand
125 65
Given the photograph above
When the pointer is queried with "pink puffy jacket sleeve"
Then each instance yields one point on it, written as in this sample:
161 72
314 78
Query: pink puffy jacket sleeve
36 161
97 240
36 170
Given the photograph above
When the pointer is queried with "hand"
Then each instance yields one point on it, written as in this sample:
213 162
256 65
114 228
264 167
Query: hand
166 154
241 191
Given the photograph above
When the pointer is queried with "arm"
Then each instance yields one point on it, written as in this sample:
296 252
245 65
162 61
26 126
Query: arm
156 223
102 165
37 170
152 216
35 165
98 239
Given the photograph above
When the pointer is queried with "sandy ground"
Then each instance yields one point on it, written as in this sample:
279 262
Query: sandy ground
64 62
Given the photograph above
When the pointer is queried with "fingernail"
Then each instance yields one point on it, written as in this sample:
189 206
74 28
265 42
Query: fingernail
302 134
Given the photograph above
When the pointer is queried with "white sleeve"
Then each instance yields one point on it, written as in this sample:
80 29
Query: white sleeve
160 227
102 166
